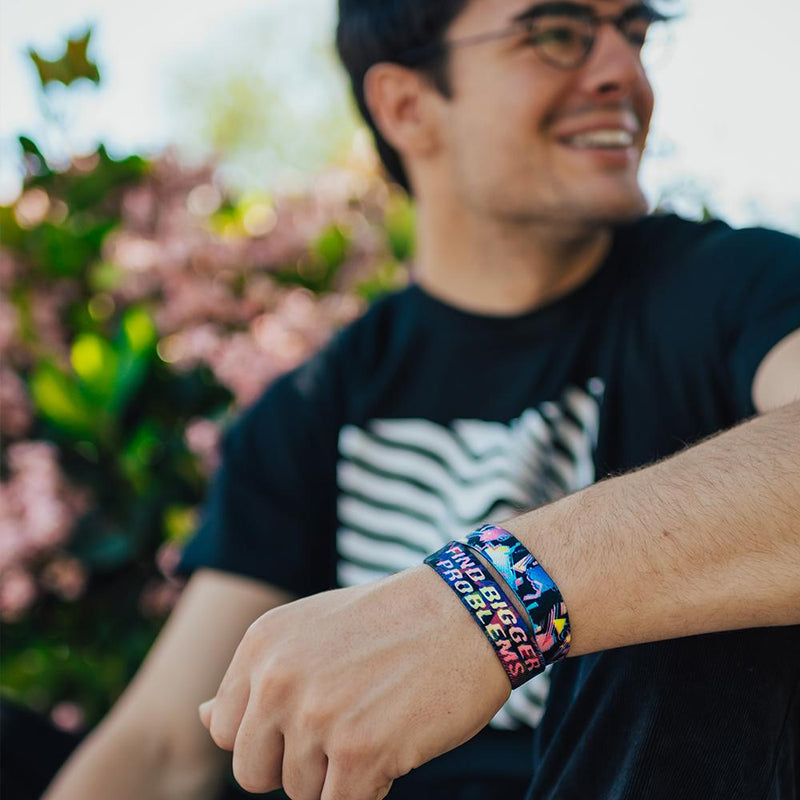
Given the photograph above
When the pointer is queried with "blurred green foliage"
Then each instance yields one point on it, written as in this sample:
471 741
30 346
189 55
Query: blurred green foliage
101 387
73 65
117 415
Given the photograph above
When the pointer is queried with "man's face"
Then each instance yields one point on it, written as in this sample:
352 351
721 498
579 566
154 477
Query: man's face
524 140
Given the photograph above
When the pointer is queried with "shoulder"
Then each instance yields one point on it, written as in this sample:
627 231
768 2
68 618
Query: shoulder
668 250
673 235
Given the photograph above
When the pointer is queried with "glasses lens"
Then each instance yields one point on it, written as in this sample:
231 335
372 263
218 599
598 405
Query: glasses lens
562 41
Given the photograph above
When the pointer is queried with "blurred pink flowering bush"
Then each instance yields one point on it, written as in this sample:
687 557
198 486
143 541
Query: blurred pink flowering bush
141 307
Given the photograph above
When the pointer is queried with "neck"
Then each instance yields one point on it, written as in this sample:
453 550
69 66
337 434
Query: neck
502 267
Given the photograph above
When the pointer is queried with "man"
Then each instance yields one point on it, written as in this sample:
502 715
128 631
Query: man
551 338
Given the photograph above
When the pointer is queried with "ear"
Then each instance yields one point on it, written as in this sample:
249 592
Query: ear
401 103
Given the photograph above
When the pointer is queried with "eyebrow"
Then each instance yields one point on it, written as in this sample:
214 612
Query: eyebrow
565 8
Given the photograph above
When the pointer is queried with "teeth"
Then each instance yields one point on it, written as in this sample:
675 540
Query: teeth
607 138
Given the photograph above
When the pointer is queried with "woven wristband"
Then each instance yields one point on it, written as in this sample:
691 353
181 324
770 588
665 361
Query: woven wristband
491 608
532 585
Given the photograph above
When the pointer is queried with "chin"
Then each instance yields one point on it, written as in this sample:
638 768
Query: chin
616 207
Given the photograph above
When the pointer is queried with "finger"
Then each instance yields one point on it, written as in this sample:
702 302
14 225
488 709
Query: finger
304 768
226 712
205 711
345 783
258 753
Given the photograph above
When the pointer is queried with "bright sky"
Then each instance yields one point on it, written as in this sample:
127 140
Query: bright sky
727 120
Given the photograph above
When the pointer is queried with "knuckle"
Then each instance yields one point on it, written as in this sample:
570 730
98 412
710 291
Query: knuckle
253 782
314 718
294 791
406 761
222 737
221 733
350 753
272 687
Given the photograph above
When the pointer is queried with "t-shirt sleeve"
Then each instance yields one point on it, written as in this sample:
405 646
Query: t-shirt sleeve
726 297
271 506
765 306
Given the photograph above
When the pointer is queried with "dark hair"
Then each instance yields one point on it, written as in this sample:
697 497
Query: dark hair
372 31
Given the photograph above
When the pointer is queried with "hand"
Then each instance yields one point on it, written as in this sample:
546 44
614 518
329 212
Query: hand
334 696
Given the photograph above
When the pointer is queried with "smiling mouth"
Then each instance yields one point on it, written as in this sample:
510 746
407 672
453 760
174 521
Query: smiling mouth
609 139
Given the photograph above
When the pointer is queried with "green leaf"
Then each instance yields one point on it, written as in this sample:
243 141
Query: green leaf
90 190
180 522
136 349
11 233
59 400
331 246
399 223
387 279
65 250
104 276
317 271
73 65
139 331
96 364
137 458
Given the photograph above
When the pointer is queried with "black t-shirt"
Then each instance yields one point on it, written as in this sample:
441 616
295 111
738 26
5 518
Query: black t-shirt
420 421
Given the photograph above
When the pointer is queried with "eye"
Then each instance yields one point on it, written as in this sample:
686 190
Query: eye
637 27
636 39
554 36
636 33
559 35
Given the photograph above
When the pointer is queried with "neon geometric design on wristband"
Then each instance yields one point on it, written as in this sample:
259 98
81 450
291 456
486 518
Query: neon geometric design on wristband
532 585
492 609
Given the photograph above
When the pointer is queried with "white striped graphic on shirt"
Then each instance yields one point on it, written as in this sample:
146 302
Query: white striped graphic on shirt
408 486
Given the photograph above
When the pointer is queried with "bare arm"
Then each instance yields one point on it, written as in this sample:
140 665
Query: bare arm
151 744
707 540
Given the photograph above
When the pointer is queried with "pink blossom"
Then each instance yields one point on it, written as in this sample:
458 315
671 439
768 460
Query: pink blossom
202 438
186 349
243 367
38 507
158 598
10 268
47 307
16 413
140 209
68 716
17 593
134 253
64 577
13 547
190 301
9 327
167 559
342 309
274 337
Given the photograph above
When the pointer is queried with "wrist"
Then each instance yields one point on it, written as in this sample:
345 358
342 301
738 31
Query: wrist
443 619
488 602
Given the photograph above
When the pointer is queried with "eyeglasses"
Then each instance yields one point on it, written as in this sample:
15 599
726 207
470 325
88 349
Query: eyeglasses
562 33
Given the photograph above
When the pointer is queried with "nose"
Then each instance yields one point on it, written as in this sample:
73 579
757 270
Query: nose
614 68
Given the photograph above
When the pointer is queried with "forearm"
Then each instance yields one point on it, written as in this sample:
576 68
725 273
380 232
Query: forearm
128 762
151 745
706 540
